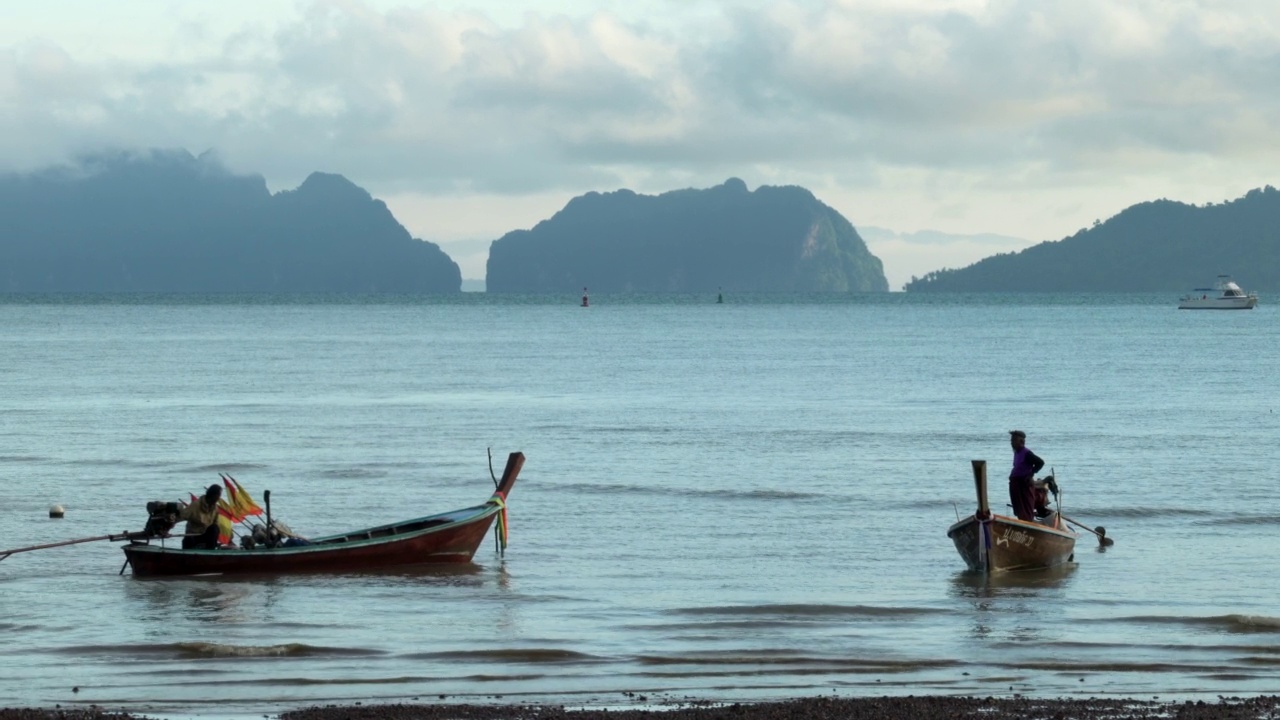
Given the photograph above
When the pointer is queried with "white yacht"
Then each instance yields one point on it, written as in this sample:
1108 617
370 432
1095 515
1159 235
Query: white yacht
1225 296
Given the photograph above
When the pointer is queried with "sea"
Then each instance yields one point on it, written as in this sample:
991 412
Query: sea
728 502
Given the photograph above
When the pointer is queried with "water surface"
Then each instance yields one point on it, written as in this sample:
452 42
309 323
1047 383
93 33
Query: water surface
734 501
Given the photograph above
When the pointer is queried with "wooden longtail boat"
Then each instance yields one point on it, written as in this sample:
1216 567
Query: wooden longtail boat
450 537
997 543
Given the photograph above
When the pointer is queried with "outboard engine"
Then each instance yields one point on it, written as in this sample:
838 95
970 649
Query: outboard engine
161 517
258 537
265 537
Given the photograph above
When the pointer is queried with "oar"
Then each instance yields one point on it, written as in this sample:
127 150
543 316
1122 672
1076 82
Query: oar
1100 531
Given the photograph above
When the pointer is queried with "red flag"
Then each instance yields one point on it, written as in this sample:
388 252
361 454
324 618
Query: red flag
231 493
224 524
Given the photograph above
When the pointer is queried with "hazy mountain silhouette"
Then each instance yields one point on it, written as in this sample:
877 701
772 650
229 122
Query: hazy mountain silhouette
1153 246
778 239
165 221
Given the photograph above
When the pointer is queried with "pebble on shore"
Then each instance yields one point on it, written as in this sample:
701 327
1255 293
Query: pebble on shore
820 708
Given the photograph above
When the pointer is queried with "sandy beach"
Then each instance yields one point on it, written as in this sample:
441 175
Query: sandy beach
821 708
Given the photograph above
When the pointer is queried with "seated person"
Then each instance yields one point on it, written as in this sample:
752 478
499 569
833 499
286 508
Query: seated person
1043 487
202 521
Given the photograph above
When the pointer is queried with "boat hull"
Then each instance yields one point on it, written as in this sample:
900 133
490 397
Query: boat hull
455 544
451 537
1246 303
1225 296
1004 544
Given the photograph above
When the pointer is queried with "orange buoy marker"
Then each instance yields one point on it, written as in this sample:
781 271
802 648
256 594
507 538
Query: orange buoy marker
584 298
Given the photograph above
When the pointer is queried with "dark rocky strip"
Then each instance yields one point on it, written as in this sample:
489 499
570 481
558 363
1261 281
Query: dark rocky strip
59 713
822 708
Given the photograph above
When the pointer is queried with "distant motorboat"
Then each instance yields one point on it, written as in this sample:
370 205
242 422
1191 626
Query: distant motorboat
1226 295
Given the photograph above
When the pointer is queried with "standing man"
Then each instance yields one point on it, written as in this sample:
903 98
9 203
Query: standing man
1022 491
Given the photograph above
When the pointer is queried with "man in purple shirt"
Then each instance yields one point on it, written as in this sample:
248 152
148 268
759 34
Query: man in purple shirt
1022 491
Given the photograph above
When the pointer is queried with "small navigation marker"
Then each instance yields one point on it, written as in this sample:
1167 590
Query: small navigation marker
584 298
719 296
56 512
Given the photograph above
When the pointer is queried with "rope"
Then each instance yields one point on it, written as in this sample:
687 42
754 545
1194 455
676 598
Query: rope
502 529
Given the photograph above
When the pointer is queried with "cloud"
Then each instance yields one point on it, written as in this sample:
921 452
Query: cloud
958 107
871 233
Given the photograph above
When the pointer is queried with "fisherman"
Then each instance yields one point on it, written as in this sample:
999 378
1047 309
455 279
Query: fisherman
1022 491
202 521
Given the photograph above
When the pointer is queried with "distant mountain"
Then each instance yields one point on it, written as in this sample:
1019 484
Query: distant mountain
775 239
1159 246
165 221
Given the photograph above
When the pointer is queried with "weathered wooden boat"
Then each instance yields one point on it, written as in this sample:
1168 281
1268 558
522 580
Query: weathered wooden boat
451 537
992 543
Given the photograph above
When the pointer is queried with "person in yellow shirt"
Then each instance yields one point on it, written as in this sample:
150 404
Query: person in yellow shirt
202 521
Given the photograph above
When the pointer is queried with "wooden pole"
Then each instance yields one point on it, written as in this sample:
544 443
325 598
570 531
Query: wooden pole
980 484
114 538
6 553
266 498
1100 531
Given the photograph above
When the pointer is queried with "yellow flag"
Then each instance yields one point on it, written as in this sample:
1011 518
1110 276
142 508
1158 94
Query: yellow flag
229 511
244 503
224 527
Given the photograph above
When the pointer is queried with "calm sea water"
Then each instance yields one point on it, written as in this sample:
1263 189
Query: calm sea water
737 501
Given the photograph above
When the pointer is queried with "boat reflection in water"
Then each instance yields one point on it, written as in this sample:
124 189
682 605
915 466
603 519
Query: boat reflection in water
1027 583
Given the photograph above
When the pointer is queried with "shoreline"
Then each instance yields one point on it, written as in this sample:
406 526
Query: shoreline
908 707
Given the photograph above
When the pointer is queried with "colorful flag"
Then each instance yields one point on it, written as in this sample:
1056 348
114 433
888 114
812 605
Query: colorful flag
227 518
229 511
231 496
224 529
245 503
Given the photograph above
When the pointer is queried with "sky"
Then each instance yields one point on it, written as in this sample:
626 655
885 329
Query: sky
955 129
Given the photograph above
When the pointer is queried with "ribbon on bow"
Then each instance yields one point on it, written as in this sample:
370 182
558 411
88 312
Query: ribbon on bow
502 528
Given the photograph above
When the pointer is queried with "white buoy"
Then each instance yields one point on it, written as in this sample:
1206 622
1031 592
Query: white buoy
56 511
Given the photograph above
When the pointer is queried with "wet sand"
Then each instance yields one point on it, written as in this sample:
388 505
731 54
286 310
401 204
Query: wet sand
822 708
